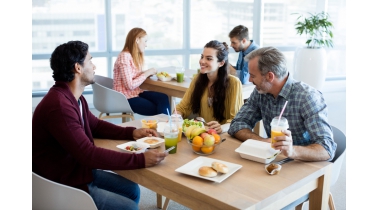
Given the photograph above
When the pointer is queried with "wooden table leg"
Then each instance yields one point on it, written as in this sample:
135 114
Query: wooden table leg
318 198
160 198
166 204
159 201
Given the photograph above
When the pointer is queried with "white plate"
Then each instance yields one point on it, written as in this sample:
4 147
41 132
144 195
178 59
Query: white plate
191 168
152 145
144 146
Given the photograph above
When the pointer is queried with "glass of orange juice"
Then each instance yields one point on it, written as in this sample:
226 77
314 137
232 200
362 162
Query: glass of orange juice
277 126
178 121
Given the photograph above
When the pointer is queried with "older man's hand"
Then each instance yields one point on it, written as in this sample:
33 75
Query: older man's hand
285 143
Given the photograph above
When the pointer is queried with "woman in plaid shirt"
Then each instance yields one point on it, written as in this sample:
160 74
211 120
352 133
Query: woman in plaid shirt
128 76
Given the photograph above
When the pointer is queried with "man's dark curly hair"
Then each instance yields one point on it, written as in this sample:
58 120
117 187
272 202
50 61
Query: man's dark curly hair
219 87
64 58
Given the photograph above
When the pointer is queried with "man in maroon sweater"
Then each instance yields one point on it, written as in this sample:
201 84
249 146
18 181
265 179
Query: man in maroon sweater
63 129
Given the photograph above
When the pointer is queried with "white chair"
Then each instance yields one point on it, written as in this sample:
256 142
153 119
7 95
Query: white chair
52 195
337 161
106 100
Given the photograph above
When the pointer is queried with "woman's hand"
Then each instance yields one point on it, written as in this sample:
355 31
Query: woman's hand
144 132
150 72
215 125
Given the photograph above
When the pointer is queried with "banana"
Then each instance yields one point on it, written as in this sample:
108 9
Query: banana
189 130
196 131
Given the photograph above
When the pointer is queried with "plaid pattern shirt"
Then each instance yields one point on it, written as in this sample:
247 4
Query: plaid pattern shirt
306 113
126 77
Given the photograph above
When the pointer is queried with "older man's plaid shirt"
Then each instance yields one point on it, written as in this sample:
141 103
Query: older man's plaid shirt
306 113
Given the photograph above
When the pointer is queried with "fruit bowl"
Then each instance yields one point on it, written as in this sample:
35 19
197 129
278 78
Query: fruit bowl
164 76
203 150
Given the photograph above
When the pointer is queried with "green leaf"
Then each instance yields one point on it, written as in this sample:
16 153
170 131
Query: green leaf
316 27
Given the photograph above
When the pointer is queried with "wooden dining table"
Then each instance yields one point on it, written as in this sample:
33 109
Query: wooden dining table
250 187
177 89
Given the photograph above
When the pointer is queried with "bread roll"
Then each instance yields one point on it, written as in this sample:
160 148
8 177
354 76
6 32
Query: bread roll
220 167
207 171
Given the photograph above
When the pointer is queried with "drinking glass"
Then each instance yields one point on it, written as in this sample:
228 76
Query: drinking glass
277 126
177 120
171 137
180 71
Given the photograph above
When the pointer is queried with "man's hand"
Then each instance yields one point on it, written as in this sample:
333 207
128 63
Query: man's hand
311 152
285 143
144 132
154 157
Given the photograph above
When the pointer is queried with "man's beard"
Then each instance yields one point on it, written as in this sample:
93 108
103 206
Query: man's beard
264 87
240 48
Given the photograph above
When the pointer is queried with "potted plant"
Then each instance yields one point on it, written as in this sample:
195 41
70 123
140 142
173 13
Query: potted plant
310 62
316 27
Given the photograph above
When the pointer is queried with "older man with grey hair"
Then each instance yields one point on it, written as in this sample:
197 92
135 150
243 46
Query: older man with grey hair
309 137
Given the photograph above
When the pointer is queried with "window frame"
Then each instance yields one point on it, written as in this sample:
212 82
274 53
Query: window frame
186 51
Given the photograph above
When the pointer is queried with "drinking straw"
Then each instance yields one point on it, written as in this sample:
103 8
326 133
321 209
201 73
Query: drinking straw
282 111
170 119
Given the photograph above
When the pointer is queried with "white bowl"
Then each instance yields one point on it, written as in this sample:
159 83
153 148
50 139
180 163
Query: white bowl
141 145
258 151
152 141
164 79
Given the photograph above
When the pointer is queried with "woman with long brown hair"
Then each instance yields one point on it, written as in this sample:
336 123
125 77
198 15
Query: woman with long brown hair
213 94
128 76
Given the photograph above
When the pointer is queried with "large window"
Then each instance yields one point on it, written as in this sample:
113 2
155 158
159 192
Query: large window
162 20
177 30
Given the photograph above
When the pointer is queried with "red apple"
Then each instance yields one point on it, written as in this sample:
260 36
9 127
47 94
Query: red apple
203 135
212 131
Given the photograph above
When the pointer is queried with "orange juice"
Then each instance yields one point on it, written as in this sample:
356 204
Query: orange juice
178 121
277 125
179 134
275 133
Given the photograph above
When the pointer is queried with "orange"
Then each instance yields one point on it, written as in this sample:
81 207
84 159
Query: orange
207 150
217 138
197 149
198 141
